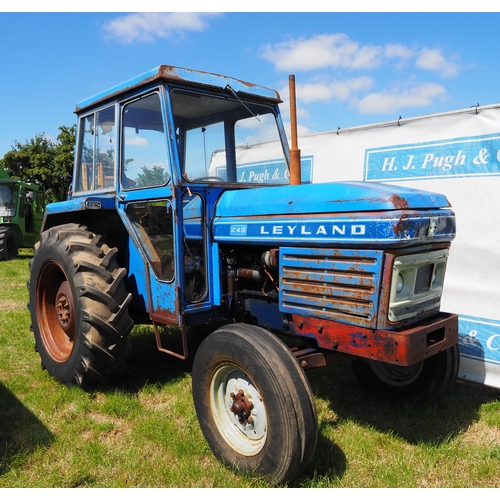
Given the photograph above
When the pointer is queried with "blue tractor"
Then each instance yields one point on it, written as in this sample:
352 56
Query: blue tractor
182 213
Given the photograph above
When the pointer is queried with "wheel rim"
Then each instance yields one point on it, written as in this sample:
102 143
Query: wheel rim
238 410
396 376
56 312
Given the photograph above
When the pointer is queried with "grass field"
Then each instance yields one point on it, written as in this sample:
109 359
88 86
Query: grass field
143 431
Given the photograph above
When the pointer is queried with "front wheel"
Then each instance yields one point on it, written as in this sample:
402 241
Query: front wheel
428 380
9 243
254 403
79 306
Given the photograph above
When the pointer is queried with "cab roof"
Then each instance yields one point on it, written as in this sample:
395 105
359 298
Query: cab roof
187 76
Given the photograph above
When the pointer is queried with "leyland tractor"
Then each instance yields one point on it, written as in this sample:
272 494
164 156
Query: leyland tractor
21 213
185 212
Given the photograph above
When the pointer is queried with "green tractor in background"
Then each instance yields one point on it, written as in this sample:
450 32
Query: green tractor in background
21 213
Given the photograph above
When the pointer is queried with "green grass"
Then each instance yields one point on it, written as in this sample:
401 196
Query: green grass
143 431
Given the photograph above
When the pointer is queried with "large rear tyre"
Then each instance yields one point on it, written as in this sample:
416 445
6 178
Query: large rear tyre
9 243
254 403
427 381
79 306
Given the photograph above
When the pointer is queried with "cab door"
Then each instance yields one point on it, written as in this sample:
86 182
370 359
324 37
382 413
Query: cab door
167 243
147 205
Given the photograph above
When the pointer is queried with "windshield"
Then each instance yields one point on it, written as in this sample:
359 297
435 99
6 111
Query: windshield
5 196
7 205
223 139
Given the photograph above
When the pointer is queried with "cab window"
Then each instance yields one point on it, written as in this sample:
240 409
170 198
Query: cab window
144 155
96 158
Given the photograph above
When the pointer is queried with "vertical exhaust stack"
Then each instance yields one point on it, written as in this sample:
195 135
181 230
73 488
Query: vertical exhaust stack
295 173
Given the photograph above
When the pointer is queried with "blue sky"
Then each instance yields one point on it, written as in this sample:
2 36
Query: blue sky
350 68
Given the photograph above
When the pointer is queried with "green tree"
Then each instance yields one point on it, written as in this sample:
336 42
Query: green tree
154 176
64 160
44 162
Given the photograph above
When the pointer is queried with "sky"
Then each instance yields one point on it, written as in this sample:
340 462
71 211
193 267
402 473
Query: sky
351 68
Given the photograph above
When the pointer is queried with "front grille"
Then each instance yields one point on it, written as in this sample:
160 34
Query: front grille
340 285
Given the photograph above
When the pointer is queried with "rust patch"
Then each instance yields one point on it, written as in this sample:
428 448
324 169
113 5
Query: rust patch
398 202
400 226
399 347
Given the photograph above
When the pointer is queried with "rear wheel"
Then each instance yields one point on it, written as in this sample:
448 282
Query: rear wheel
254 403
9 243
79 306
428 380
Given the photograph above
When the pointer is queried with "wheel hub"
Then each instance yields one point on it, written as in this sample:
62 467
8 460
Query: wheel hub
238 410
242 407
65 307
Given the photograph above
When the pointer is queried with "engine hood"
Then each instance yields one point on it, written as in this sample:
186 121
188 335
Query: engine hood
341 197
355 214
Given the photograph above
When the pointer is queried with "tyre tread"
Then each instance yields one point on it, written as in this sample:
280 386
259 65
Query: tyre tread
100 295
271 360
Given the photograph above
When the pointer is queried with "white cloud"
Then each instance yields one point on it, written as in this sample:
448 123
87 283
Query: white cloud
396 50
310 92
329 50
319 92
393 102
343 90
340 90
137 141
148 26
434 60
341 52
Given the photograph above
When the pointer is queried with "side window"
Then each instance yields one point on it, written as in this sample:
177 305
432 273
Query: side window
144 156
40 203
97 151
28 211
195 273
153 224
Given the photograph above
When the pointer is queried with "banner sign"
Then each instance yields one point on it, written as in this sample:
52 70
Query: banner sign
269 171
462 157
480 339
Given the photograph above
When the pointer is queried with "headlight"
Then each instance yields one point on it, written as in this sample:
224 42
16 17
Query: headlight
417 284
400 283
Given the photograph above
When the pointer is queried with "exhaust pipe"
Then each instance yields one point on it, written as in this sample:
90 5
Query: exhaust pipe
295 172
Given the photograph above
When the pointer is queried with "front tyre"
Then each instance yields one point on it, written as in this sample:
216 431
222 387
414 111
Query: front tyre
427 381
79 306
254 403
9 243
